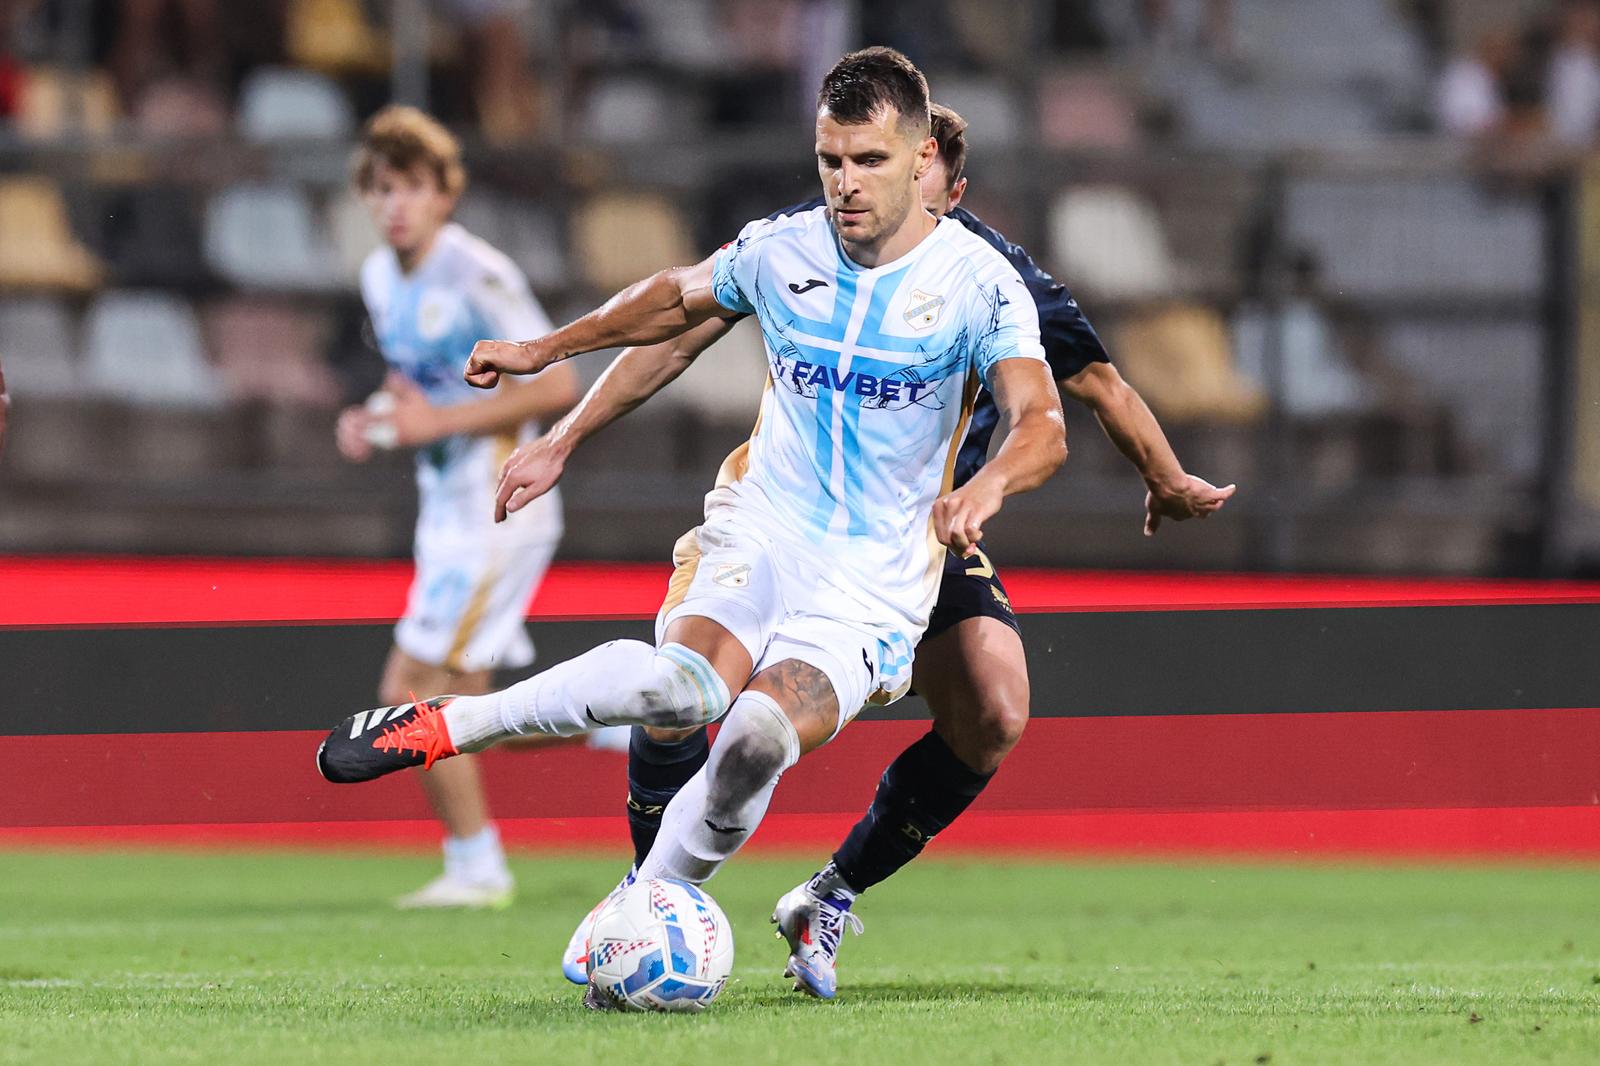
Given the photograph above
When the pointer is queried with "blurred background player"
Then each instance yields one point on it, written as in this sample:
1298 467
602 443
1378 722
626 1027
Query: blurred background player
970 669
432 291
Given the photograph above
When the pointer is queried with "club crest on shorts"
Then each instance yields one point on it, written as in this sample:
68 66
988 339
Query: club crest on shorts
923 310
732 575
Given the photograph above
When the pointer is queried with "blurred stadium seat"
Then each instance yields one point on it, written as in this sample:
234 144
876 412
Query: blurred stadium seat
1109 241
38 344
1082 107
628 109
334 36
995 118
181 109
267 237
277 104
527 232
1178 357
270 350
1388 234
37 247
144 348
57 104
621 237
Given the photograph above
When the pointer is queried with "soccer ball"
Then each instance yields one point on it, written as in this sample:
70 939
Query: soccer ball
660 945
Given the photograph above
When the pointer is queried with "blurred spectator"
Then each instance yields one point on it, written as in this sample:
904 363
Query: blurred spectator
1202 26
1472 89
158 37
504 91
1573 78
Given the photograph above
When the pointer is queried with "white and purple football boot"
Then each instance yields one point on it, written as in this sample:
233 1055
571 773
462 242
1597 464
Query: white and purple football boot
575 960
813 923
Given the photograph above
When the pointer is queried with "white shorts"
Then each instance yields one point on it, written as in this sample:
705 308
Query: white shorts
783 604
468 604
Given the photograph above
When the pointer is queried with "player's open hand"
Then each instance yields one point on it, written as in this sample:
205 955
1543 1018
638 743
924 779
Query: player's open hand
1193 497
530 472
958 517
353 434
490 359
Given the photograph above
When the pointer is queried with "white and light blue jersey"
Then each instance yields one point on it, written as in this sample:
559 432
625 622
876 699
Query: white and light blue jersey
428 320
873 372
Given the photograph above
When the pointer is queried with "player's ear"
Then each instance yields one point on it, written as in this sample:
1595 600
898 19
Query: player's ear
927 152
957 191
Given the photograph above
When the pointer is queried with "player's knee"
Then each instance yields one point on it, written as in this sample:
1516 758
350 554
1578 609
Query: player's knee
683 692
757 743
1000 715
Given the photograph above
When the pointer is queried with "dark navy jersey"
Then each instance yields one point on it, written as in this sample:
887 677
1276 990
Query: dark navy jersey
1070 343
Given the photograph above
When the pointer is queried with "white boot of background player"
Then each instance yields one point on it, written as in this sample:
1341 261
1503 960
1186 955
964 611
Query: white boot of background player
475 876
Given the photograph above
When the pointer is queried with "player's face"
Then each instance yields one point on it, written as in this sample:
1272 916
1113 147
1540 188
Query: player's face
869 174
938 195
408 206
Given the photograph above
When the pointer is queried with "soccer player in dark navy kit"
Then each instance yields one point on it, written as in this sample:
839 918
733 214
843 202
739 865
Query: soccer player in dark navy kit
970 666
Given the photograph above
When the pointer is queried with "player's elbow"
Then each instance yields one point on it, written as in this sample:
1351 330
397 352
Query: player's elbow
1101 389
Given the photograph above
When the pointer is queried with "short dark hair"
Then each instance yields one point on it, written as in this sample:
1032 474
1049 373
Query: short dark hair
950 130
864 83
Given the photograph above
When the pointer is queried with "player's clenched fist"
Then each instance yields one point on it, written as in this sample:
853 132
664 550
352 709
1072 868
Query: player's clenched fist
958 518
490 359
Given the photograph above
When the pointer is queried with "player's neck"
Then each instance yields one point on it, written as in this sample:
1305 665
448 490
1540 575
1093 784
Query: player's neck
917 226
411 258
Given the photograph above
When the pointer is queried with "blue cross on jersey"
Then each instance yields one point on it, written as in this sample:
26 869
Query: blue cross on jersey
874 372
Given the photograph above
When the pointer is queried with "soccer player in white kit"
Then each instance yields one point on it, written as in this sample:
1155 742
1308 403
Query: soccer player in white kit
433 290
803 594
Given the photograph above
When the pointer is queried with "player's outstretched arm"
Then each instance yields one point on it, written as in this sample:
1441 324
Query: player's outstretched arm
1031 452
418 421
656 309
631 379
1128 421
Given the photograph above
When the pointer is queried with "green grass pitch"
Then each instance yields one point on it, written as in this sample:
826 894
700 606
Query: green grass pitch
290 957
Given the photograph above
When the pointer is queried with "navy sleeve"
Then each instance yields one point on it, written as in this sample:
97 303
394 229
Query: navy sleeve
798 209
1070 343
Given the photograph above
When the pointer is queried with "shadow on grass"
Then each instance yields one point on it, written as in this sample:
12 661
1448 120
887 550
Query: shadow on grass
922 994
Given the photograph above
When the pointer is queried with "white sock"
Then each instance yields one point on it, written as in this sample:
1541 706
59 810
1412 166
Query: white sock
829 882
623 682
714 814
478 858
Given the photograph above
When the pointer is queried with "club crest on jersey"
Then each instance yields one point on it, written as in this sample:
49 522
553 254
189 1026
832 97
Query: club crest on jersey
433 316
923 309
732 575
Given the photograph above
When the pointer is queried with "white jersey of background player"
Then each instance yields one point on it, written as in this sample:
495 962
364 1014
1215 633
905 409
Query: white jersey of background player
432 290
474 577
